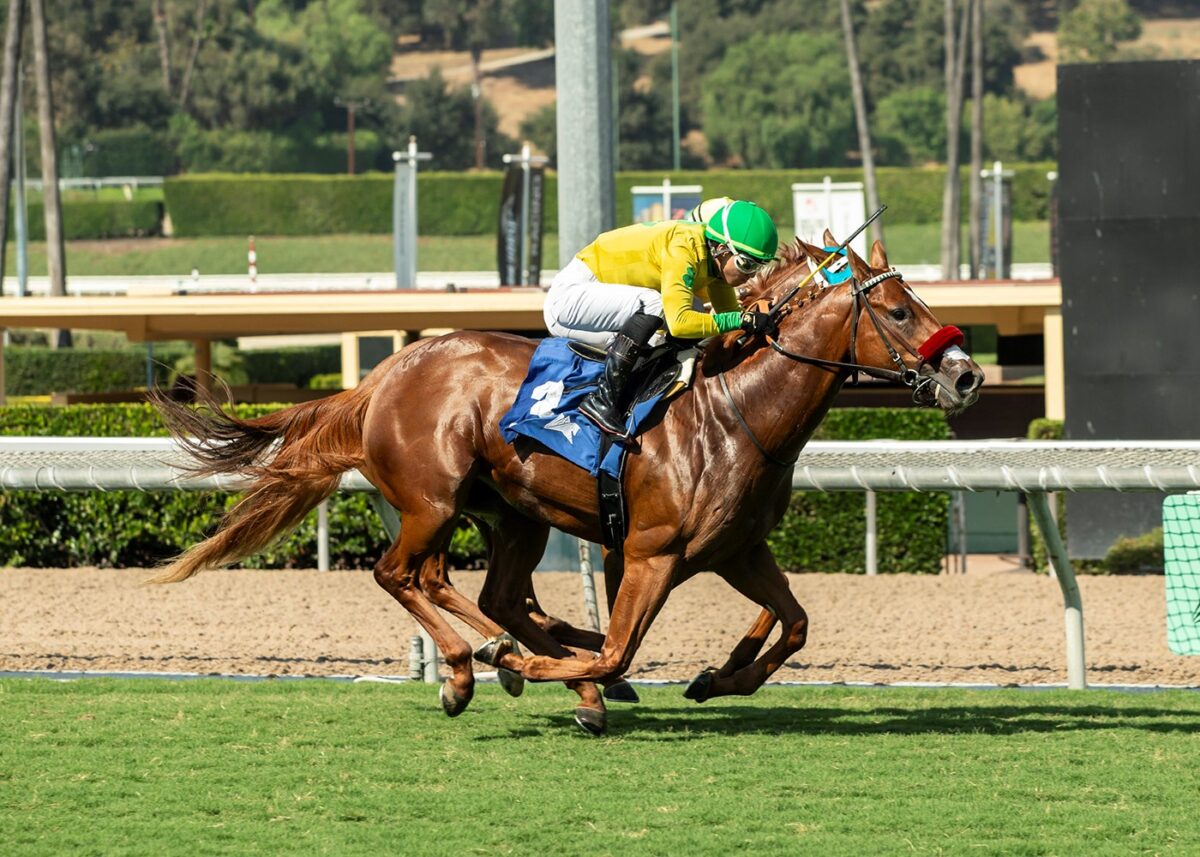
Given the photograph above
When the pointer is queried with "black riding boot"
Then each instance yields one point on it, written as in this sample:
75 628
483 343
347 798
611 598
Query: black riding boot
603 406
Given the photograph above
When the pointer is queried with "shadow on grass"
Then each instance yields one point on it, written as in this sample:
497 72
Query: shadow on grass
685 723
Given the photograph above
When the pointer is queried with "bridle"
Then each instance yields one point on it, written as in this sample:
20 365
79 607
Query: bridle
920 383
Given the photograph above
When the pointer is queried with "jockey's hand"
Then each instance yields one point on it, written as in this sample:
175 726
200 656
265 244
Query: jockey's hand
757 323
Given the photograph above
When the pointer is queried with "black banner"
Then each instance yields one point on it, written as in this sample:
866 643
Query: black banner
537 186
508 233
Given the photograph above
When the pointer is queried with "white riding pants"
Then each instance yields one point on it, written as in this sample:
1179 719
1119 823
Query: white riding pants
580 307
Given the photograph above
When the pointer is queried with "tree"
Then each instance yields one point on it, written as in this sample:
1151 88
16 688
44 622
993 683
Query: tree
472 25
437 116
901 44
910 125
1093 30
756 115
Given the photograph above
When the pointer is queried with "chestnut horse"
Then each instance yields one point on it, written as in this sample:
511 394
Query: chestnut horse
705 487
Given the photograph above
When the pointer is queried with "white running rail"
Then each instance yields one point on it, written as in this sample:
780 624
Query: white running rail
1035 468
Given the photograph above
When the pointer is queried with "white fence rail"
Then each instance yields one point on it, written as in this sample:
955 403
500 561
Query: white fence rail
1033 468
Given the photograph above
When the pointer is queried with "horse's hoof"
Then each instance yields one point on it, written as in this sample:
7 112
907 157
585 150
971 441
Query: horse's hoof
452 703
593 721
512 683
494 649
621 691
701 687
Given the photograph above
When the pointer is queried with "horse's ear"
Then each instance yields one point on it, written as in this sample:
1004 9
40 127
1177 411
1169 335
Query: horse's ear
857 265
829 240
878 255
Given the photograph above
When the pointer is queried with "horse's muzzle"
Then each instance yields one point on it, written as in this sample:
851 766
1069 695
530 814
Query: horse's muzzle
952 386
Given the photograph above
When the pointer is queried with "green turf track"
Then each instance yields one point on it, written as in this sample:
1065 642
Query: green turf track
216 766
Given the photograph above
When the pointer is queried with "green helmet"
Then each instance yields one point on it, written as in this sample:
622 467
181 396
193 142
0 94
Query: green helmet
746 228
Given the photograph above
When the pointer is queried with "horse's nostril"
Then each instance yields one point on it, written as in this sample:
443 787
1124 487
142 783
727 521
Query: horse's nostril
968 382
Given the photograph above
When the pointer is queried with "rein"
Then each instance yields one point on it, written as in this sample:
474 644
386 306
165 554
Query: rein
908 376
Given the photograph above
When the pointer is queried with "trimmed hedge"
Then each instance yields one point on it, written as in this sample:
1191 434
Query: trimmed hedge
87 219
228 204
468 203
821 532
296 365
34 371
826 532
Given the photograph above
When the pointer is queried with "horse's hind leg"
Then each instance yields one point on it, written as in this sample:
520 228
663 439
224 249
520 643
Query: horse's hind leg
516 545
437 586
420 552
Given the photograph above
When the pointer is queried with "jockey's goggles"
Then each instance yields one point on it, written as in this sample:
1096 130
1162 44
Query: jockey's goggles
745 264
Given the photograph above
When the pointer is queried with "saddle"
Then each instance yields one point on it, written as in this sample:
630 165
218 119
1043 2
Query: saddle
665 371
560 376
660 375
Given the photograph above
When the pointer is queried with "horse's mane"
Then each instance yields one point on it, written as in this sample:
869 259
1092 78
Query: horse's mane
768 283
791 265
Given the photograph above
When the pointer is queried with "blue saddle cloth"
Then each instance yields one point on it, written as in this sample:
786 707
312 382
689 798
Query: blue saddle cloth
547 408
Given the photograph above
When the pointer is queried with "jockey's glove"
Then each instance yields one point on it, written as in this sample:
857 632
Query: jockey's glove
757 323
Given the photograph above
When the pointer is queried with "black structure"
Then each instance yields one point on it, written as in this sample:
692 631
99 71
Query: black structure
1129 227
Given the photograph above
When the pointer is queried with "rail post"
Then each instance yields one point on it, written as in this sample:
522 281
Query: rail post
1060 562
872 546
323 535
589 583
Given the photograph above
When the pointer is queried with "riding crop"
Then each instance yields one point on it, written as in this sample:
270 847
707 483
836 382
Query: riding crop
778 308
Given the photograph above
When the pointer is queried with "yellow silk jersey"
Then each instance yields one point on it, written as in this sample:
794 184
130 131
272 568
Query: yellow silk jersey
672 258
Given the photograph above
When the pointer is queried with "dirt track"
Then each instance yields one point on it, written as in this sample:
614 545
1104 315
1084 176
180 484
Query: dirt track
996 627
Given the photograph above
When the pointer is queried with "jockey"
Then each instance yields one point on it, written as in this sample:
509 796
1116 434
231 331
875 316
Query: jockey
702 212
618 290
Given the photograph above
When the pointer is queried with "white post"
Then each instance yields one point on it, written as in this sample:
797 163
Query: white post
998 215
430 652
525 214
323 535
872 542
962 532
666 199
252 265
589 583
1060 563
828 202
404 214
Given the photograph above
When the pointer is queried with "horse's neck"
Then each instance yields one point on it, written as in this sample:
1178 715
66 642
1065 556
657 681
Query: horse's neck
785 400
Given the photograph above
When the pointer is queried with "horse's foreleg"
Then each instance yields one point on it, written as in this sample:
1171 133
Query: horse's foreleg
750 645
642 594
560 629
757 576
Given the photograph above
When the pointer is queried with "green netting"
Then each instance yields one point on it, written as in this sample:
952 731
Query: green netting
1181 550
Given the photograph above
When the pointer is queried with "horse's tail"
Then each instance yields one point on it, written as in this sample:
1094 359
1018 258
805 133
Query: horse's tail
294 457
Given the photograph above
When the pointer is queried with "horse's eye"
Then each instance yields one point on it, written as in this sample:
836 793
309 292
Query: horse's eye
899 314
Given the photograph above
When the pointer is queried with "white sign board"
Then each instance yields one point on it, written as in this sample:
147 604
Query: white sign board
654 203
836 206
